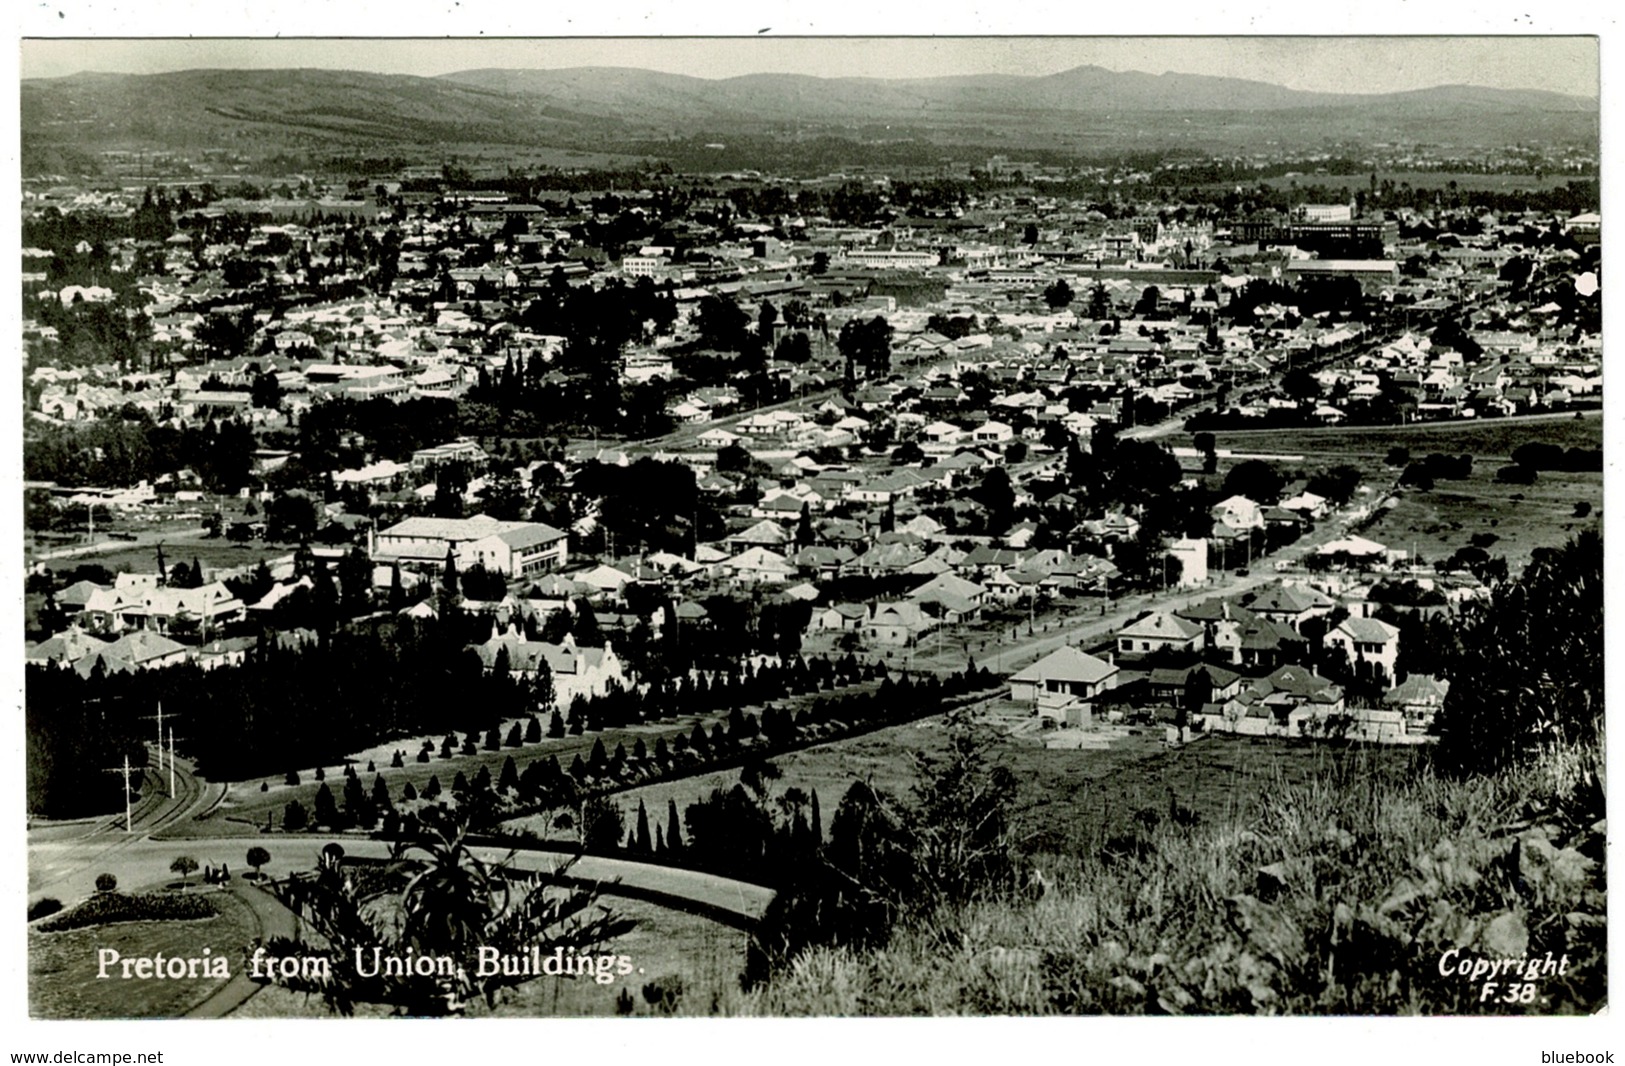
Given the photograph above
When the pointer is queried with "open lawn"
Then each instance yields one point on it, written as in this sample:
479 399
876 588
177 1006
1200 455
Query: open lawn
1488 439
62 967
1425 179
247 807
1521 518
1072 800
1434 524
215 553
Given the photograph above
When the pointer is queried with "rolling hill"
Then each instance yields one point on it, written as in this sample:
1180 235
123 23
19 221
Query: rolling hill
609 109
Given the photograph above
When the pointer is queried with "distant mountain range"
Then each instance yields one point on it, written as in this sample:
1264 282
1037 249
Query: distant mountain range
609 109
613 90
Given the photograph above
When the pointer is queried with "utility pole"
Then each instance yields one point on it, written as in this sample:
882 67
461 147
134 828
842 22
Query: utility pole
129 825
171 760
160 717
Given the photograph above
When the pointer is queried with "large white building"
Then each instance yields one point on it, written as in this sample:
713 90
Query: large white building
511 548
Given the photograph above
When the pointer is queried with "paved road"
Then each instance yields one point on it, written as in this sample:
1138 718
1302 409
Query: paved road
67 870
95 844
1088 625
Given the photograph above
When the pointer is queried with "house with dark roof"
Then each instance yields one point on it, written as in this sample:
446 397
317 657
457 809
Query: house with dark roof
65 647
1419 698
1293 701
146 650
1291 604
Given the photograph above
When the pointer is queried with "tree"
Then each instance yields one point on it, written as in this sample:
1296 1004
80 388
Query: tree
721 324
106 883
266 392
794 347
258 857
183 865
601 827
355 582
1299 384
645 846
1255 479
294 817
964 804
853 895
326 809
674 829
1100 303
1150 302
1528 675
455 905
1058 294
867 344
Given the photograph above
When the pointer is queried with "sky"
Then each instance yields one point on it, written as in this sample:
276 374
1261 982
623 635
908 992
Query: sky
1335 64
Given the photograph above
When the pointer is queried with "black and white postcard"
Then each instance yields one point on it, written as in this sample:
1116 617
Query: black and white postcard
798 526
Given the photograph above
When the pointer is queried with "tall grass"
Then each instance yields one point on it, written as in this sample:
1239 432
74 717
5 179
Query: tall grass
1336 896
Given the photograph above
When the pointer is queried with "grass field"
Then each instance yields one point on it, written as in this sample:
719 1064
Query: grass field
247 807
1428 179
1072 800
667 946
214 553
1485 439
1436 523
62 967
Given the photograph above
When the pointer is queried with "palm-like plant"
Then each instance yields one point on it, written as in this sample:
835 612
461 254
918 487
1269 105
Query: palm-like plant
454 902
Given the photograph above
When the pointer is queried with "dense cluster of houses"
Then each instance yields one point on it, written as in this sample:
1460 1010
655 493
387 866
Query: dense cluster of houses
1146 296
1242 665
1012 307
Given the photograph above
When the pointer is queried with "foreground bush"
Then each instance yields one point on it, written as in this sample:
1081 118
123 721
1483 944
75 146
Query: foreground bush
42 907
108 907
1342 897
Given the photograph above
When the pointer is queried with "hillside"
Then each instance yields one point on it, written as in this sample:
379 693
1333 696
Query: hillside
1083 111
1342 897
1086 89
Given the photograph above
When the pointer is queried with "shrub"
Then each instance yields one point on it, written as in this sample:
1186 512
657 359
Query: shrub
1530 671
184 865
43 907
110 907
